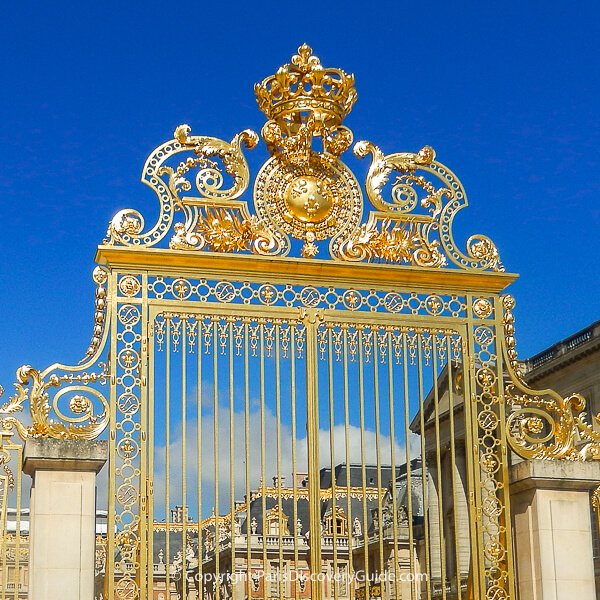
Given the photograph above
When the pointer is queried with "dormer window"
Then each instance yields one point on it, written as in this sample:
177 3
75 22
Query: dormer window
335 523
277 522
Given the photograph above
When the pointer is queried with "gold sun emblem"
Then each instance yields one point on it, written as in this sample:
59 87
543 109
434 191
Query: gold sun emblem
308 199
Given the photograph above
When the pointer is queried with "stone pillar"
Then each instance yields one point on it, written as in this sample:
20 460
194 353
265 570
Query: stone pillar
63 516
550 504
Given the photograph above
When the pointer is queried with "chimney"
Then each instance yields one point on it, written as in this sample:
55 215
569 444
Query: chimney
180 514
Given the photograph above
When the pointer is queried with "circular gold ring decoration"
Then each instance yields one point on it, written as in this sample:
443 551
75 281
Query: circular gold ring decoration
311 200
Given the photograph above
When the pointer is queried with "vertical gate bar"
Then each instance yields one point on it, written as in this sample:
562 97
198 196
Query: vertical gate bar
312 425
477 567
150 367
19 500
508 543
4 533
109 571
3 528
233 516
183 454
438 457
281 528
294 466
453 465
409 507
347 453
247 462
19 515
425 484
168 452
332 461
145 526
18 527
215 332
377 416
263 456
199 392
391 401
361 400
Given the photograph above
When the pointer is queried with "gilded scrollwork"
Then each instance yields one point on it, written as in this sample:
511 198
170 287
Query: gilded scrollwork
89 407
64 401
388 240
304 191
230 229
398 226
209 178
405 163
541 423
196 181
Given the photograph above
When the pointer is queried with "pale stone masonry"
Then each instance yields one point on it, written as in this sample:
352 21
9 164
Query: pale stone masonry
63 516
552 529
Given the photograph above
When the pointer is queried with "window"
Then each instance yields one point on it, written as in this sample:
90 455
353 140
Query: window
335 523
275 578
277 522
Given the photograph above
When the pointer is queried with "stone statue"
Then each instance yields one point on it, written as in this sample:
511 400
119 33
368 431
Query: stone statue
302 579
222 530
356 527
402 516
255 580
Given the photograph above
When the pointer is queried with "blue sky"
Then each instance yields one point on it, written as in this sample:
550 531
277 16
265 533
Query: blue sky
507 95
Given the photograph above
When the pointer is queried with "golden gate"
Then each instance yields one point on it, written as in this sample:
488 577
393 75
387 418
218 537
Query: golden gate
303 399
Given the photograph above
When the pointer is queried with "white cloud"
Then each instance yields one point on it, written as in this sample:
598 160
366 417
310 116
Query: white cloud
211 471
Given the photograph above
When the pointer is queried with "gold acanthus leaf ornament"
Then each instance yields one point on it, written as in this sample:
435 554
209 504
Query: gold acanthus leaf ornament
199 174
209 180
216 219
541 423
421 182
392 241
382 166
32 386
226 229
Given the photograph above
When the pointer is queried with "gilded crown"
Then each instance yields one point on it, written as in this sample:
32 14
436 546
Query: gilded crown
304 87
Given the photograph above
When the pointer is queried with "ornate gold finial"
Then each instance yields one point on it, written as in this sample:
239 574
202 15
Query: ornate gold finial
304 100
302 192
304 87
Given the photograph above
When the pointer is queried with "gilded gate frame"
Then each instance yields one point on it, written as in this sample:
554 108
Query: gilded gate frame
399 267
